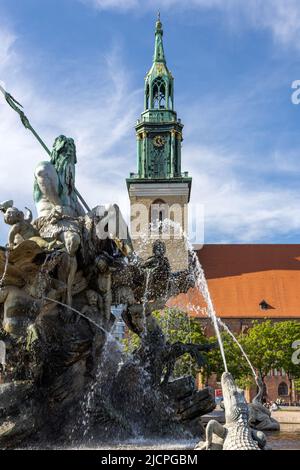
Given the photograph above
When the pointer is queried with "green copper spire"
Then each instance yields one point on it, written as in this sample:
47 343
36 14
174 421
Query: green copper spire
159 55
159 86
159 131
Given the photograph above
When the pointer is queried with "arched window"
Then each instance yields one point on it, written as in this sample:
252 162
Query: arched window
283 390
170 103
147 96
158 213
159 93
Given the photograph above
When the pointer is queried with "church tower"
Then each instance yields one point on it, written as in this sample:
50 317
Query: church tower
159 190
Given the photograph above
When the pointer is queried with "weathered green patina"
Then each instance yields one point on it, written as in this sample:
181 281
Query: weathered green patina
159 131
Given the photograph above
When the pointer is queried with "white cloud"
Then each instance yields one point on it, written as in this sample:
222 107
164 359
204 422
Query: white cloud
234 209
99 119
280 17
7 40
107 4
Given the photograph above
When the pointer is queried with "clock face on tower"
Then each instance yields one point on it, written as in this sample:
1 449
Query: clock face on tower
158 141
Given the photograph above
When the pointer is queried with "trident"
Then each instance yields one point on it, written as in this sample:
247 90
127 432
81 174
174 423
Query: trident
13 103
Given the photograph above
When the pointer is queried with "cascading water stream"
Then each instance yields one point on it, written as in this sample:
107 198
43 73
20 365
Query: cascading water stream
239 345
190 341
80 314
88 402
201 285
200 281
198 310
145 297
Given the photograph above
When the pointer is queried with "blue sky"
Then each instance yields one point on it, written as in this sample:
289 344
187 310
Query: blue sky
78 67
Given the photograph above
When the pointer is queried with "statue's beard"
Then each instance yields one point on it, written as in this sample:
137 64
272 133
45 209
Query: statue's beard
66 171
69 179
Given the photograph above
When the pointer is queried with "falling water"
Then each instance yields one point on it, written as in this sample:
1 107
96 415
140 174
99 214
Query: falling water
201 285
88 401
168 311
200 280
145 296
239 345
2 354
190 341
5 267
225 327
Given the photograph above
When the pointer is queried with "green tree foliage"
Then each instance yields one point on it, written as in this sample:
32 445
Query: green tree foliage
288 332
268 346
262 344
297 385
236 363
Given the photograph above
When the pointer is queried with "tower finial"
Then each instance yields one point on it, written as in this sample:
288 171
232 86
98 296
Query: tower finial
158 22
159 55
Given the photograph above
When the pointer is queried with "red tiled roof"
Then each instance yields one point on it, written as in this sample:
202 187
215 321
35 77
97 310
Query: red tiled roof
241 276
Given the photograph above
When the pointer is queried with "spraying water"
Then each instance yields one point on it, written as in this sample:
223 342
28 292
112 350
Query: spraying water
201 285
145 297
80 314
198 310
88 402
2 354
239 345
200 280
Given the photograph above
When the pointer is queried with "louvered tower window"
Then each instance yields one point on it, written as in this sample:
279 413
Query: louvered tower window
159 93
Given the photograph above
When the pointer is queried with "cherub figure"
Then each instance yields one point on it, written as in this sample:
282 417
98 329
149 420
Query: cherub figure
158 272
94 308
94 311
22 228
104 265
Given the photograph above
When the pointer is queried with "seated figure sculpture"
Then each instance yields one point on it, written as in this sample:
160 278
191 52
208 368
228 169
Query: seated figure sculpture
159 270
55 181
94 305
21 227
57 204
259 416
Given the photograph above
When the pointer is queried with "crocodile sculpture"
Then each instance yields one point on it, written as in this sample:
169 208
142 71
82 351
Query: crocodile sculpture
236 433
